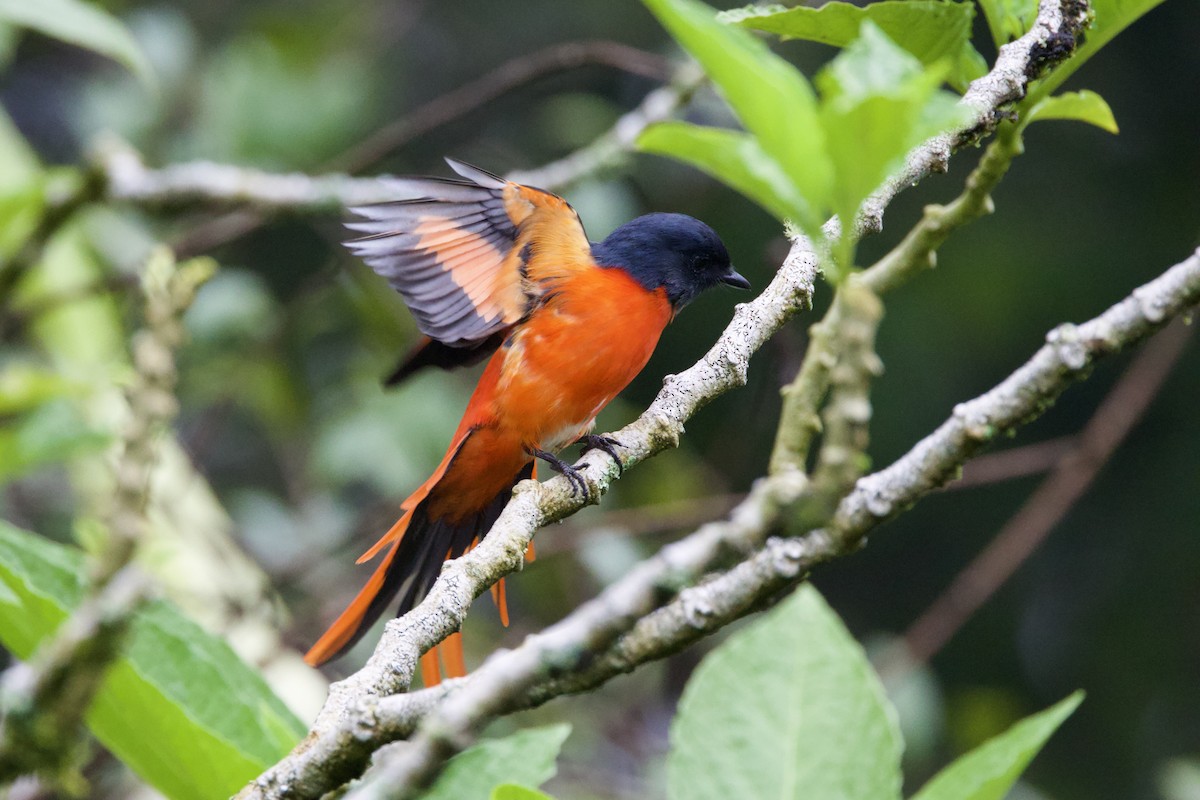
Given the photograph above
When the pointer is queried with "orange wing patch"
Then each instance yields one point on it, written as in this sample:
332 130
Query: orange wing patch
470 256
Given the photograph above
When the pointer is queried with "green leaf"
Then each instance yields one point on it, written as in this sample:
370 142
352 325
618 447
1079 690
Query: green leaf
179 707
769 96
1111 17
21 197
49 434
42 427
878 102
990 770
732 157
932 30
1008 19
525 757
1084 106
511 791
24 386
787 708
82 24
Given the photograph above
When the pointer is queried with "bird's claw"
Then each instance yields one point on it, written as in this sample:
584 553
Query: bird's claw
579 484
608 444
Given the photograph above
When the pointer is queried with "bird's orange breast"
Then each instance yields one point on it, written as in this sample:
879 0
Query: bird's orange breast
544 386
583 346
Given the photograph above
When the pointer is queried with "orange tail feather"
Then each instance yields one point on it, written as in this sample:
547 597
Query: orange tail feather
452 655
431 668
416 547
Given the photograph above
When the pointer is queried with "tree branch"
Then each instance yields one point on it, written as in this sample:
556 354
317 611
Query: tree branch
781 563
45 700
1072 475
1067 355
129 179
343 735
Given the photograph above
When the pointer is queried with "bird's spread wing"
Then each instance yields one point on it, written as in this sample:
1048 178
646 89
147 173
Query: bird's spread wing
473 256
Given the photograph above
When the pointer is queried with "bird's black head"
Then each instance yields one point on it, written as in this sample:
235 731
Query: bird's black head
681 254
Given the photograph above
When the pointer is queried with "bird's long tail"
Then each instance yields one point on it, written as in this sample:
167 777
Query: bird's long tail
416 546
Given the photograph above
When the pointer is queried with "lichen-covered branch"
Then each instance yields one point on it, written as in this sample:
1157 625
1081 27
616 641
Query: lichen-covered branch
353 725
782 562
1066 357
847 414
799 422
45 700
609 149
1018 63
128 178
1073 472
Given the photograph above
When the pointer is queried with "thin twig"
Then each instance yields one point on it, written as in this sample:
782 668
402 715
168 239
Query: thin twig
639 521
440 111
1015 462
1055 496
496 82
782 563
340 743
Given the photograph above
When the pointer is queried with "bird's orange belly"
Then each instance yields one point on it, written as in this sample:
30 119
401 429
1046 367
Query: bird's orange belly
570 362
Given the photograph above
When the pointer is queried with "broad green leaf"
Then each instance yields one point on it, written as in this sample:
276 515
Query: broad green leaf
526 757
1008 19
769 96
932 30
788 708
82 24
732 157
1084 106
1111 17
878 102
511 791
990 770
179 707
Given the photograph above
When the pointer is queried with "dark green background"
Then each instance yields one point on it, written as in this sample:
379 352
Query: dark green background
281 411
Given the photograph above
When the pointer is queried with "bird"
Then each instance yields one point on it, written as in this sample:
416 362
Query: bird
496 270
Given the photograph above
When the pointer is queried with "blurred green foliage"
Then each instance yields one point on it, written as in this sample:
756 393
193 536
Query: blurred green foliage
525 757
179 707
283 413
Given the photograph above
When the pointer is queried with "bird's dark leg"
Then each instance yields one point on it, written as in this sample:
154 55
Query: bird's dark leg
578 484
608 444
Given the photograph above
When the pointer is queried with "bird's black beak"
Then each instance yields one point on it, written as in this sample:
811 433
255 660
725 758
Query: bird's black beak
735 280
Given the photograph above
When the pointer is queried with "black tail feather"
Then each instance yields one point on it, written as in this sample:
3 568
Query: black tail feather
426 545
431 353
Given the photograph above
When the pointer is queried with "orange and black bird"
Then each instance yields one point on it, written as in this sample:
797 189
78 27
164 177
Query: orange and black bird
491 268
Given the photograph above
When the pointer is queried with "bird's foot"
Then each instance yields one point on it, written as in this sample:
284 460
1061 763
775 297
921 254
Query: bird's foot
579 485
608 444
